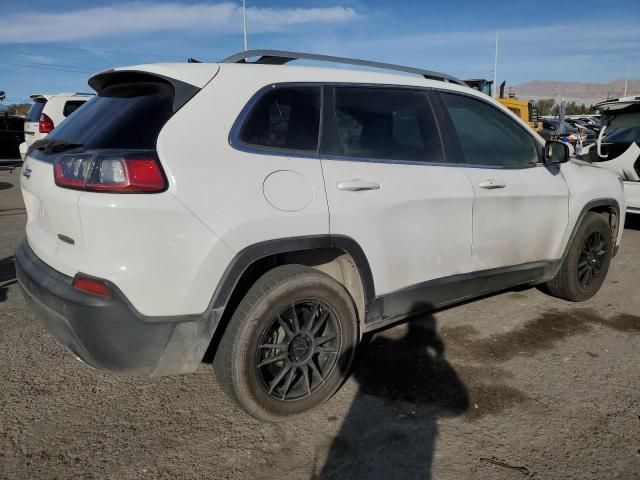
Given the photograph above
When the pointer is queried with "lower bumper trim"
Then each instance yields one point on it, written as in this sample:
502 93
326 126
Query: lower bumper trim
105 333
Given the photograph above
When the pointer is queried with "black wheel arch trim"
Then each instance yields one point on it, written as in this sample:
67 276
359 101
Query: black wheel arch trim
253 253
589 206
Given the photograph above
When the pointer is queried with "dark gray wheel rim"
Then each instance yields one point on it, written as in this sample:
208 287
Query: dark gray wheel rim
591 261
298 350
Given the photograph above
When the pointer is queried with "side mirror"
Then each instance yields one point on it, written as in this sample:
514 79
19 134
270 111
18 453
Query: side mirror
556 152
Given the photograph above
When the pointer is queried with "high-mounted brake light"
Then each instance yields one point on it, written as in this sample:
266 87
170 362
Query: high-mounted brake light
45 125
110 173
94 287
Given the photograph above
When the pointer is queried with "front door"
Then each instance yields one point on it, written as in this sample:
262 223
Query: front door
389 190
520 212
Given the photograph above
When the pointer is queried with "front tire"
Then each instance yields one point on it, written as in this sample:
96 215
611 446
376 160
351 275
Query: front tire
585 267
289 344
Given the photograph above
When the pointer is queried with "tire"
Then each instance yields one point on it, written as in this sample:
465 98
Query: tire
572 282
260 379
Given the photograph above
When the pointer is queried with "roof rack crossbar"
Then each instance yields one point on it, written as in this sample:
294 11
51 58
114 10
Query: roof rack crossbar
280 57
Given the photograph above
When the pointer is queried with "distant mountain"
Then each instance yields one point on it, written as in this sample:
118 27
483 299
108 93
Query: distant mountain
587 93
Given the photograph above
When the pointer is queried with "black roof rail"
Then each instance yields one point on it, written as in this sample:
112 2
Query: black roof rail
280 57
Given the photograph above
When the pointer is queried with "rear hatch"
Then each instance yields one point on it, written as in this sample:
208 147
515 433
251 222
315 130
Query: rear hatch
107 146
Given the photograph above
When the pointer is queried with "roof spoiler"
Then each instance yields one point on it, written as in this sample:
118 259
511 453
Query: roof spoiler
183 92
280 57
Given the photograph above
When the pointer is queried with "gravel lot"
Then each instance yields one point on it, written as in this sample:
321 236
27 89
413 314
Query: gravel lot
526 379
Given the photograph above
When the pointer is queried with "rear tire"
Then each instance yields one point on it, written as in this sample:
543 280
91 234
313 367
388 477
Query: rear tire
585 267
289 344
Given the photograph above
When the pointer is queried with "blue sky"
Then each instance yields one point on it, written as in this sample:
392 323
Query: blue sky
50 46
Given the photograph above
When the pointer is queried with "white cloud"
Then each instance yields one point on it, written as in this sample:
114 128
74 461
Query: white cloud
140 17
34 58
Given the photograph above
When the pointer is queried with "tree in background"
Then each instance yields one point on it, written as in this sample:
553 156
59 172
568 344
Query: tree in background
20 109
545 106
548 106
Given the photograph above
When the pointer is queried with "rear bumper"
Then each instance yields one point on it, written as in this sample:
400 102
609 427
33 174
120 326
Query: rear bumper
109 333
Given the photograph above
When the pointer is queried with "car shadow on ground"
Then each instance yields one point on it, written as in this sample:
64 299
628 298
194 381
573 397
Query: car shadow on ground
7 276
405 385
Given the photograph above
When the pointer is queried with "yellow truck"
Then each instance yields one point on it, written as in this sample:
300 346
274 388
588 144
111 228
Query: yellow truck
526 110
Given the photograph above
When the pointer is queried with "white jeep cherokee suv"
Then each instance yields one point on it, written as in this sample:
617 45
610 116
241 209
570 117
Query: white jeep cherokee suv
274 214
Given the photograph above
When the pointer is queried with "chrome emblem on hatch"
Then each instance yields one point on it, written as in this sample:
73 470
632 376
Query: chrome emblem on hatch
26 172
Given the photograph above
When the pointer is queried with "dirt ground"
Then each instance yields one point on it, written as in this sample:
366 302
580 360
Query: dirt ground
522 378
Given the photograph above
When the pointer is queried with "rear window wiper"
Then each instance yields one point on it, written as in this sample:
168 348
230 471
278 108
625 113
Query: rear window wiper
54 146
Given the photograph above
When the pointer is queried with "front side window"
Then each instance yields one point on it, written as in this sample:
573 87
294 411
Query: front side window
488 136
285 118
385 123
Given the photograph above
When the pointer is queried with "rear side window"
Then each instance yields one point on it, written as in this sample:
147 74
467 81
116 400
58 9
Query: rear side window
385 123
286 118
71 106
488 136
124 115
35 111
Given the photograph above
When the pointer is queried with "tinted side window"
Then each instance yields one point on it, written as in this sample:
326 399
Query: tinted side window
385 123
71 106
487 136
285 118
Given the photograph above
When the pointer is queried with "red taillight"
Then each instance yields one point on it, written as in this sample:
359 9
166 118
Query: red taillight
110 173
94 287
45 125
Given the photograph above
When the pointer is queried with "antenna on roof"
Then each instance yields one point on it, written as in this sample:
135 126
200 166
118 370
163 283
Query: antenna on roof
193 60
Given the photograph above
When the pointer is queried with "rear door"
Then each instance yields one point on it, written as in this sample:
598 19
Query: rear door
520 211
389 188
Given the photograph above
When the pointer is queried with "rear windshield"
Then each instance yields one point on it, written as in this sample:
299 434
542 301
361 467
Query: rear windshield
127 115
622 128
35 111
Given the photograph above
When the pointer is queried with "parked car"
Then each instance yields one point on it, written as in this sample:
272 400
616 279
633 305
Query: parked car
11 135
618 145
578 123
273 215
47 112
569 131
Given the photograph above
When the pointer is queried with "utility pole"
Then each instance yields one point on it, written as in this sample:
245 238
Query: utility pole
626 78
495 71
244 24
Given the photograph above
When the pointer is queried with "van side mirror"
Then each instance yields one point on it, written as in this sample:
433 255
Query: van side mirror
556 152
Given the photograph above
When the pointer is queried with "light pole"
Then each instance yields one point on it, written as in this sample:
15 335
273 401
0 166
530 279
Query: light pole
244 24
626 78
495 71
